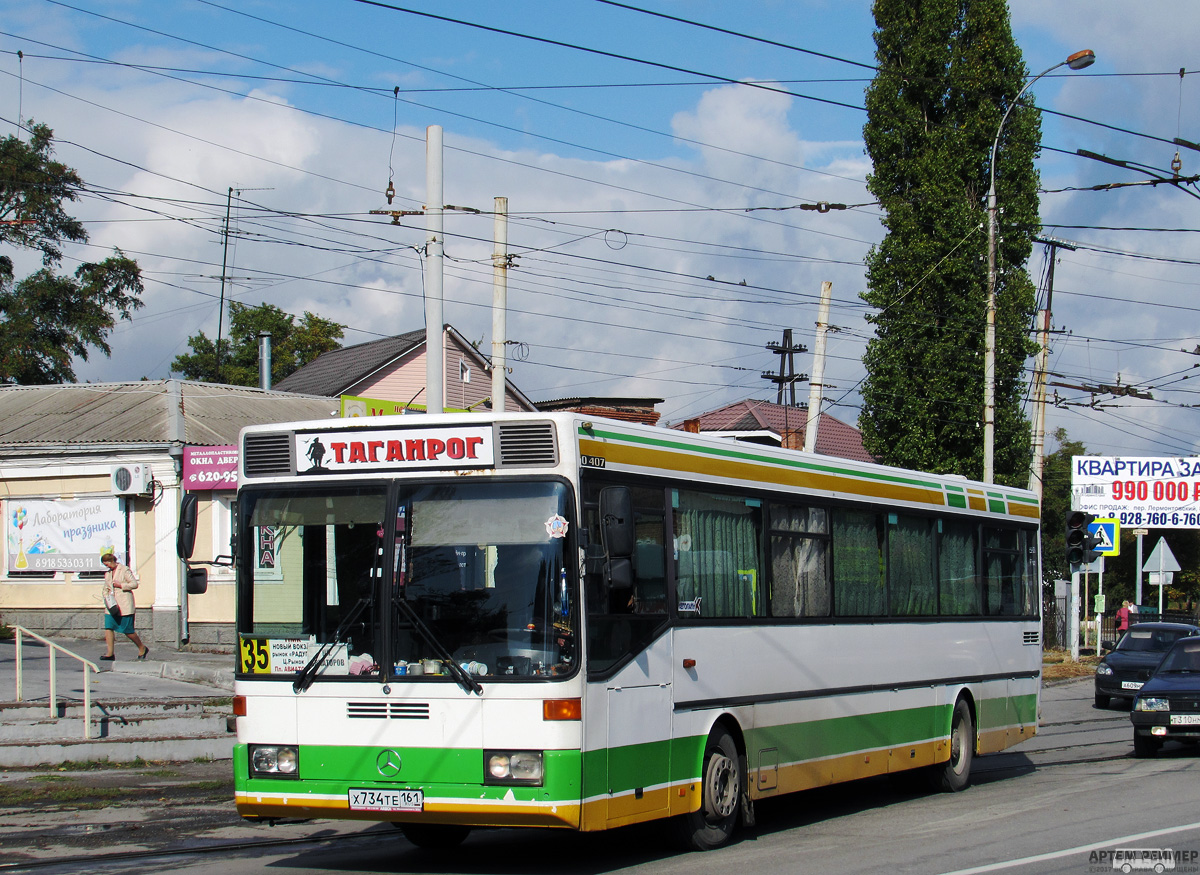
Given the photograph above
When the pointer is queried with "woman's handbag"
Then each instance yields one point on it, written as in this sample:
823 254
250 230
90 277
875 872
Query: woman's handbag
110 602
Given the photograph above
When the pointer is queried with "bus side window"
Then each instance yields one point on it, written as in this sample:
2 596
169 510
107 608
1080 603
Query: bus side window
717 546
799 561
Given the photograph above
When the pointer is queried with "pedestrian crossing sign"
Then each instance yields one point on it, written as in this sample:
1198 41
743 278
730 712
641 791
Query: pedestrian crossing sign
1108 532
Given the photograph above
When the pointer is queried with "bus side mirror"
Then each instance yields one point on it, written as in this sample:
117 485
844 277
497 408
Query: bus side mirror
618 536
197 581
185 535
616 522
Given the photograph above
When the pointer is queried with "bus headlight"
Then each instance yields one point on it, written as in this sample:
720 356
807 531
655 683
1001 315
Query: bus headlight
274 761
513 767
1152 703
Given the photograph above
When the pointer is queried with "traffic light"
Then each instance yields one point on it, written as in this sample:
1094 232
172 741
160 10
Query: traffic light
1081 545
1091 543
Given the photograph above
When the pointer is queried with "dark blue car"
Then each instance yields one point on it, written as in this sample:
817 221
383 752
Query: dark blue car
1121 673
1167 707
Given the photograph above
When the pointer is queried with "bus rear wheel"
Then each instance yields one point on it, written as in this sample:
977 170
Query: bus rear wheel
434 836
722 783
955 774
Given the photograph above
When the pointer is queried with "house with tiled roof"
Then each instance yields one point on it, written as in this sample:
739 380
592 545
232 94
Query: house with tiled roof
392 369
627 409
777 425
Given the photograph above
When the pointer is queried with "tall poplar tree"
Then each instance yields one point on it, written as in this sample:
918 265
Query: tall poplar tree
948 70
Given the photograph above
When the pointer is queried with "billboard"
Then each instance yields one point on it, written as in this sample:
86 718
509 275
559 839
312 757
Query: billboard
1153 492
64 534
210 467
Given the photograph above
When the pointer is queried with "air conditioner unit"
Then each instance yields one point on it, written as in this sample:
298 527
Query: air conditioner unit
129 479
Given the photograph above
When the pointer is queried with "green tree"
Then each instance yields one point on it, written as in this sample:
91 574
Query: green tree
1056 504
292 345
948 69
47 319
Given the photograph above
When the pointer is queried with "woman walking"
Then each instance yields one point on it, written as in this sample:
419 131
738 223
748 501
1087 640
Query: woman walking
119 583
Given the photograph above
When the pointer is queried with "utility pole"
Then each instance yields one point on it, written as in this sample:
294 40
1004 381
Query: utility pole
1039 376
435 365
816 386
499 302
791 378
224 263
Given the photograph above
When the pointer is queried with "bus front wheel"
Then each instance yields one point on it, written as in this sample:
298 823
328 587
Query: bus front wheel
722 782
955 774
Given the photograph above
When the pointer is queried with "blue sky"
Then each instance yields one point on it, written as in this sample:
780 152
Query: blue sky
629 184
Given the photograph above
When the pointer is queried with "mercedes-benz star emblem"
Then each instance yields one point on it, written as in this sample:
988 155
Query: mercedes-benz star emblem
388 763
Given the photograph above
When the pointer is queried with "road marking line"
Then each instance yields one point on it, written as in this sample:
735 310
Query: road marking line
1094 846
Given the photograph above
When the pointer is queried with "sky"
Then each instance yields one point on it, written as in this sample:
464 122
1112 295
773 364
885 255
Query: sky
661 210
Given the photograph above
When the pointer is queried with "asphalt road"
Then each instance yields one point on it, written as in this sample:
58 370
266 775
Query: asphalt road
1058 803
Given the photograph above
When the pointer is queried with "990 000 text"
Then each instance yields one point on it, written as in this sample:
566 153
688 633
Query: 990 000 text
1157 490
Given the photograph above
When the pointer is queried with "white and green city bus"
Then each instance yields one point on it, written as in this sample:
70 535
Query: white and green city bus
554 620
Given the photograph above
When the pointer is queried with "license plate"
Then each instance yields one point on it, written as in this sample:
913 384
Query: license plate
387 800
1185 719
1131 685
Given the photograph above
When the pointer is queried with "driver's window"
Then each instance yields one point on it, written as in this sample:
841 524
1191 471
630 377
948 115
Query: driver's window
622 622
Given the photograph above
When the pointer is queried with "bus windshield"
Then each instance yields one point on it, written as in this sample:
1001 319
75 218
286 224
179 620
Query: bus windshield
349 582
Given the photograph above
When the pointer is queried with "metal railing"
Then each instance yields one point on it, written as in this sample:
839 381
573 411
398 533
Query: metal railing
87 678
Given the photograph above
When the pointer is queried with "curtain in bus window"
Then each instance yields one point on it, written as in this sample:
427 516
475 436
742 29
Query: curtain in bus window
1033 601
958 556
799 562
911 576
717 542
799 576
1003 565
858 582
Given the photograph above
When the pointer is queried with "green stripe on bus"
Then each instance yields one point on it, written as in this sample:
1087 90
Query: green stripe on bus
331 770
800 464
953 493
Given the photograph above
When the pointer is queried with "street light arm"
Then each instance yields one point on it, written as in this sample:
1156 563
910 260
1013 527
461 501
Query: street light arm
1004 120
1076 61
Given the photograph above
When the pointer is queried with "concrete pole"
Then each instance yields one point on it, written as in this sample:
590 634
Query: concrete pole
1073 612
499 302
1039 404
989 337
1138 590
435 364
816 385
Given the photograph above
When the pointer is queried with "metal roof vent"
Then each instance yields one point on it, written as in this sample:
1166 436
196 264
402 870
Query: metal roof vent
526 443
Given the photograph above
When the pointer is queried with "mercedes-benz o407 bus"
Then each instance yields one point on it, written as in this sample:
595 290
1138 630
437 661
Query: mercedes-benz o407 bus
551 620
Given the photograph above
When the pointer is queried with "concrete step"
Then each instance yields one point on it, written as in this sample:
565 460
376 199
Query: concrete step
117 751
11 712
114 727
121 732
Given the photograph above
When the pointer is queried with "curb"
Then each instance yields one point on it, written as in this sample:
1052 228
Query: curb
221 678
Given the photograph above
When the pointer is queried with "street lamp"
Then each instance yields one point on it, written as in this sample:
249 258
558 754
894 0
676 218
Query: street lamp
1077 61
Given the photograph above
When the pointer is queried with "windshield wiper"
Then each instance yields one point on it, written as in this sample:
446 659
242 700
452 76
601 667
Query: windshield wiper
461 675
308 674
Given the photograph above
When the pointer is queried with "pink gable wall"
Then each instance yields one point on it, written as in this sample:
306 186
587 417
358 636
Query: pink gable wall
403 379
